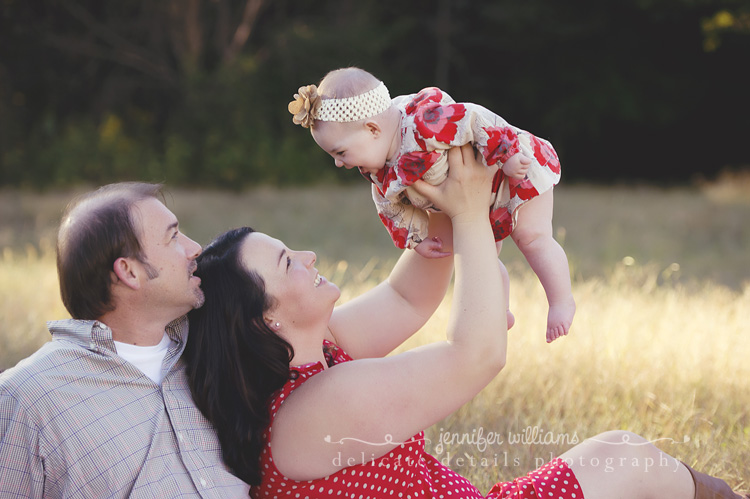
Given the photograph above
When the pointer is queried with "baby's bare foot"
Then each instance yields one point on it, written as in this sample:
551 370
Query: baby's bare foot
559 319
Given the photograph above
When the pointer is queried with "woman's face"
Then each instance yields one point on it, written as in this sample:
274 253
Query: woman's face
302 295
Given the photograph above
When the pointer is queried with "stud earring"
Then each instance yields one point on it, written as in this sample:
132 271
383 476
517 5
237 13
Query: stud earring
277 324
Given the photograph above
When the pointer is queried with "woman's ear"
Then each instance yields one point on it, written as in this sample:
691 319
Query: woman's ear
272 323
126 273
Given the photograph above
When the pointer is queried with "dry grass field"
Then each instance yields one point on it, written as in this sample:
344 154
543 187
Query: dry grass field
659 345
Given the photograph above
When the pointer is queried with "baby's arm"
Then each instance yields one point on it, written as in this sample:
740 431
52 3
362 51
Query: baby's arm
500 143
516 166
406 224
467 123
431 248
463 123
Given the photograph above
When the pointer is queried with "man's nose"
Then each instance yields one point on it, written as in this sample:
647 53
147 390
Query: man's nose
193 249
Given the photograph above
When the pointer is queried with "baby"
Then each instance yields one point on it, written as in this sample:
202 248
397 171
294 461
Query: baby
395 142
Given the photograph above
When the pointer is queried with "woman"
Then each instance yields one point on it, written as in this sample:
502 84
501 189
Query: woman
306 405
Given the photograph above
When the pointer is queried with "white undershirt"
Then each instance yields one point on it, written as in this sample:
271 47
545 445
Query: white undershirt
147 359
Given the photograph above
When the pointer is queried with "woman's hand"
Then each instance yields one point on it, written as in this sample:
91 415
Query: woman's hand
467 190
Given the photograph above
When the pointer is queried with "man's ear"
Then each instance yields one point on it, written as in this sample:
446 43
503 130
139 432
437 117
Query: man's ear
126 272
373 127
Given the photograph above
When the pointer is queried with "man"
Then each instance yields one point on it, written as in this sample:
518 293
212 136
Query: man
104 409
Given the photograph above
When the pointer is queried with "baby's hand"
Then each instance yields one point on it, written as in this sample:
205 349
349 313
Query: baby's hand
431 248
517 166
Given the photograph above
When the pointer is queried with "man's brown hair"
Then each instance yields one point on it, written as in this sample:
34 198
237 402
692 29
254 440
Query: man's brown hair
97 229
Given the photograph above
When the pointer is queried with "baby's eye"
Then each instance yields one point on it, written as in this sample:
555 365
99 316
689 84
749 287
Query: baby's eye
288 262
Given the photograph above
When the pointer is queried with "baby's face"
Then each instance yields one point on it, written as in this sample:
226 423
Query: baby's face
352 145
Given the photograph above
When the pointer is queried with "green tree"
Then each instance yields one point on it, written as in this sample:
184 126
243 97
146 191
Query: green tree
195 91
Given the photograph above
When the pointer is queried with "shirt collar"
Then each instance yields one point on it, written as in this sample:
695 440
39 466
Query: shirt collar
92 335
97 336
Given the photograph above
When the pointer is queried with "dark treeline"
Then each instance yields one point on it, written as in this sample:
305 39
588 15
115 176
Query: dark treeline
194 92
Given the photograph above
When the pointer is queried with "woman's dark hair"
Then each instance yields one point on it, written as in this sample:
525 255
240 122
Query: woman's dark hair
234 360
97 229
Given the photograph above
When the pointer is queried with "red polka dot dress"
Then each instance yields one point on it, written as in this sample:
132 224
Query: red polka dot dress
405 472
554 480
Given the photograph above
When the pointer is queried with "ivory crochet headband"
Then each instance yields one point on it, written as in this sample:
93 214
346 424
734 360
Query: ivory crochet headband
308 106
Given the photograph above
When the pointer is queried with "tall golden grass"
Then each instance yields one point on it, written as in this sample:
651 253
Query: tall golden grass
28 297
658 346
663 361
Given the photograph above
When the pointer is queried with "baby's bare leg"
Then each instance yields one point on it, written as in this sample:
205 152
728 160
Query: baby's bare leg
506 284
533 236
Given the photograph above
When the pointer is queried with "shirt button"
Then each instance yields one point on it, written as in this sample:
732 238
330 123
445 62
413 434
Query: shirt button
203 482
179 436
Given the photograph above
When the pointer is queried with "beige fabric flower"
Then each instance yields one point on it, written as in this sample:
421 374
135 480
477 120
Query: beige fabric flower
305 106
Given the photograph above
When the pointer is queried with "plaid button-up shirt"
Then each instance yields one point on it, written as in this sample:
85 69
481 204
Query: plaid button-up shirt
78 421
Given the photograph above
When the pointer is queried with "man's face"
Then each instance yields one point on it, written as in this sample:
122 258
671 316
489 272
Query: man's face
169 258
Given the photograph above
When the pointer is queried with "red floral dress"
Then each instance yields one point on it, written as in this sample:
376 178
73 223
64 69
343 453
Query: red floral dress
431 123
406 472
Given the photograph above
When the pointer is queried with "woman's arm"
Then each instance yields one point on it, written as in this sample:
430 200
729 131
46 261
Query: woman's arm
340 413
376 322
